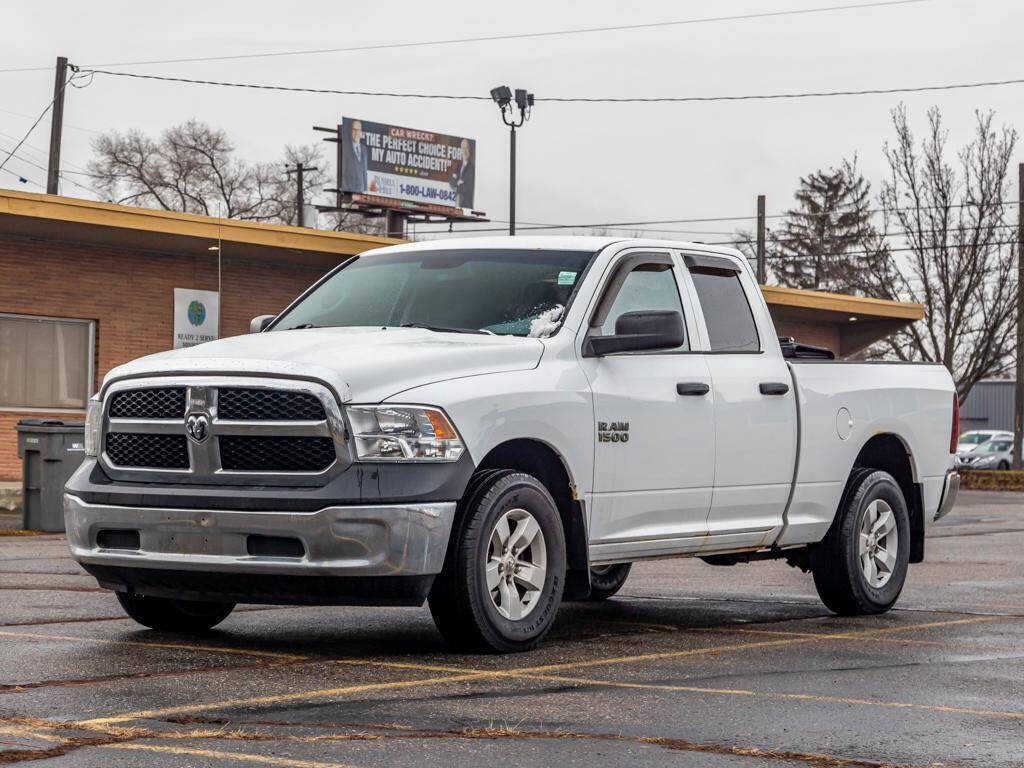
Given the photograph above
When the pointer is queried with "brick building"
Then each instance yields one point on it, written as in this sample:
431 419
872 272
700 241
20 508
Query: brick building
85 286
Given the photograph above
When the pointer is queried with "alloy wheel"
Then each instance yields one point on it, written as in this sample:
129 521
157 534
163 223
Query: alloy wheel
516 566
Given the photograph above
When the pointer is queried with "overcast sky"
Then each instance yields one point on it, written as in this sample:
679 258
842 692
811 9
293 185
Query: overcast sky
577 162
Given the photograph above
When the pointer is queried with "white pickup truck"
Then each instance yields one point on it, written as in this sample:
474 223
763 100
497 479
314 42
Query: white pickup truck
497 425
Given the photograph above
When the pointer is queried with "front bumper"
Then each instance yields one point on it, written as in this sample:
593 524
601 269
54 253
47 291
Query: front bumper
950 489
385 540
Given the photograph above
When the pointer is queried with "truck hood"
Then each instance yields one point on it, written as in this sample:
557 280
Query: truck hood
361 364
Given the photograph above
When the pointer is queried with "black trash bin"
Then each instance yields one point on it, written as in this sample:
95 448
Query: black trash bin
51 450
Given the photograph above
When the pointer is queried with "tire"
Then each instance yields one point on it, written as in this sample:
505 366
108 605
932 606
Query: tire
476 604
1003 466
606 580
842 569
188 617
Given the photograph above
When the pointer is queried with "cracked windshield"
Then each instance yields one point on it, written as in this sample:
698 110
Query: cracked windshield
514 292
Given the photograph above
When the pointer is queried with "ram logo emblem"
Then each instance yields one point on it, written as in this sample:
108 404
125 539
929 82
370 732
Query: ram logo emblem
197 425
613 431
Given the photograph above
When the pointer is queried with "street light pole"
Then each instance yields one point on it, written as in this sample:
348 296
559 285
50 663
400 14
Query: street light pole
512 183
504 98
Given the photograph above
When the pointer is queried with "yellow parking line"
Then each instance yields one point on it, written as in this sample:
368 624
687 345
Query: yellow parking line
21 730
820 698
216 754
164 646
470 674
280 698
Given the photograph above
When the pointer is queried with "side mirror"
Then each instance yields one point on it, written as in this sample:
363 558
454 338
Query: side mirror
639 331
259 324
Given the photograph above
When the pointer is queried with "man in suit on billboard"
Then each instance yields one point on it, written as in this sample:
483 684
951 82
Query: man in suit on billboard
464 177
354 159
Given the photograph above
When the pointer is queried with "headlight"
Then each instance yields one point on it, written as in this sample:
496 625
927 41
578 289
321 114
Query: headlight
403 433
93 419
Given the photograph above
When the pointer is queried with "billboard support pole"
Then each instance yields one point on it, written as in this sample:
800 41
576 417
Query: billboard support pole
512 183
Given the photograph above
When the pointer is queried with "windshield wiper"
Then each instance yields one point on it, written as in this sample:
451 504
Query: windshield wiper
302 326
445 329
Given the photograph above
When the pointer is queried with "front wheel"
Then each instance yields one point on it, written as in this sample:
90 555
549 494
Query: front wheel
183 616
505 570
861 565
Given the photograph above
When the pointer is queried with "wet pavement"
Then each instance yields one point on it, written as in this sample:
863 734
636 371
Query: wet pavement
690 665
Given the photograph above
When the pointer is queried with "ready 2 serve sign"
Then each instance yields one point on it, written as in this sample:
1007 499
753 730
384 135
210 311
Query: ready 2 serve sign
407 164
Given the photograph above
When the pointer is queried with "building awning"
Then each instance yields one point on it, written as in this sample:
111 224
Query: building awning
859 321
65 219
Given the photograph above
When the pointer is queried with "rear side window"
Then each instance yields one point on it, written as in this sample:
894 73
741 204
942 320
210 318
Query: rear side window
726 310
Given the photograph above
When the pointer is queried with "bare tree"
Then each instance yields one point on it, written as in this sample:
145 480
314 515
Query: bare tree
193 167
959 257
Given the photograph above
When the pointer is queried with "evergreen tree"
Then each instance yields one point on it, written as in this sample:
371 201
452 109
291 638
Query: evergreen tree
822 243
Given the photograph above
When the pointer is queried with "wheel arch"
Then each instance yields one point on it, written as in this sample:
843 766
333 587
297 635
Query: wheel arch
890 453
540 459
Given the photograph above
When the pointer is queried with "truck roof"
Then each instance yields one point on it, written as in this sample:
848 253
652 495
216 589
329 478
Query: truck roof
548 242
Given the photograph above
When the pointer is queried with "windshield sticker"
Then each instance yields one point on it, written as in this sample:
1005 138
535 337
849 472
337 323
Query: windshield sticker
566 278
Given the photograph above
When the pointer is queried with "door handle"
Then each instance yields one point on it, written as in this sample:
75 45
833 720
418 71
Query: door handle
773 388
692 388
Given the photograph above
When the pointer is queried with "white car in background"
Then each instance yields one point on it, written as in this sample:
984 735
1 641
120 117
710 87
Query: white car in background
992 454
968 441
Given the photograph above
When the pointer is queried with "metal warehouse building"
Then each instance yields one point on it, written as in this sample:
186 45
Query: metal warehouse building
85 286
989 405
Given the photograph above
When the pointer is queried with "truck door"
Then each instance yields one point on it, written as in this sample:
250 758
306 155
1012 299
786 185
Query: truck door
654 420
755 406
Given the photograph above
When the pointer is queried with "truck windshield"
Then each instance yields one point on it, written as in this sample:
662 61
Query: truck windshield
503 291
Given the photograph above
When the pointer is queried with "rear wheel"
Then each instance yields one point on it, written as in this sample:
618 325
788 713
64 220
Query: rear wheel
183 616
1004 465
861 565
505 570
606 580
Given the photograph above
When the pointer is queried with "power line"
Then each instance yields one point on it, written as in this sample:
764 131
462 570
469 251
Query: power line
60 174
31 117
45 154
23 178
496 38
712 219
32 128
557 99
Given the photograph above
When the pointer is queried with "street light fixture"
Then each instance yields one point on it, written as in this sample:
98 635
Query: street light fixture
504 97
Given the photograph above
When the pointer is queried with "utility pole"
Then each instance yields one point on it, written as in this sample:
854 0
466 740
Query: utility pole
1018 387
762 267
56 125
300 195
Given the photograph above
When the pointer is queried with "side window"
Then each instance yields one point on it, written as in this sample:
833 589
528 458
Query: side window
726 311
647 287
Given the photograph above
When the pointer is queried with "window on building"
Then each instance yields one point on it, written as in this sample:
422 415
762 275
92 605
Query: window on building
647 287
45 362
726 311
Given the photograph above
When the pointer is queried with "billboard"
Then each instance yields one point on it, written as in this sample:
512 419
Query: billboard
406 164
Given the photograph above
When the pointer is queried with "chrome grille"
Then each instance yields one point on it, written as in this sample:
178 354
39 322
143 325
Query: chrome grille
276 454
149 451
152 403
200 429
237 404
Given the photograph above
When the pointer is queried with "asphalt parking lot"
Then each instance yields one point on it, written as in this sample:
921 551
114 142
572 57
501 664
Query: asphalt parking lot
689 665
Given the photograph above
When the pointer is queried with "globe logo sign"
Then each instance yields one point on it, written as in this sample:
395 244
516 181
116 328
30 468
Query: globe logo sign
196 312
